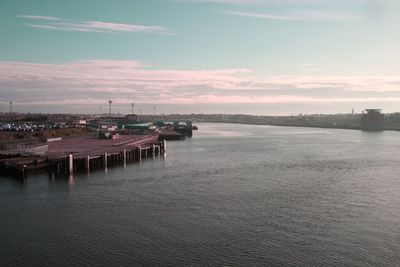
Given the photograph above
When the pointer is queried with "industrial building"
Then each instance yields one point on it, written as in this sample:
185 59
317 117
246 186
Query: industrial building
373 120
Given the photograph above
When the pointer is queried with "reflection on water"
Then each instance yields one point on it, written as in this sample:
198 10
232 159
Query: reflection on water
70 180
235 195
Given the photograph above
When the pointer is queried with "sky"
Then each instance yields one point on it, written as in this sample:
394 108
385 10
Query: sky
264 57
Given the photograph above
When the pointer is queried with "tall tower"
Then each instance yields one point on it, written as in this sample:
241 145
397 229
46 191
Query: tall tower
154 110
109 107
133 108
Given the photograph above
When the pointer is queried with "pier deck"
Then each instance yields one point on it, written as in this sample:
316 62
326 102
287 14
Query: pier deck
85 153
92 146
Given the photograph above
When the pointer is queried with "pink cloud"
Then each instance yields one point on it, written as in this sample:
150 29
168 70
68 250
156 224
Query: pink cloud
91 82
212 99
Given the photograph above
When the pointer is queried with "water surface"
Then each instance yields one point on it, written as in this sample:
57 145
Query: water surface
234 195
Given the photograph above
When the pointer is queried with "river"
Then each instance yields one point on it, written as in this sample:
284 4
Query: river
233 195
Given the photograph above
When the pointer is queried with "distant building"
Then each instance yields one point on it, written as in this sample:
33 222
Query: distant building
114 121
373 120
130 118
142 128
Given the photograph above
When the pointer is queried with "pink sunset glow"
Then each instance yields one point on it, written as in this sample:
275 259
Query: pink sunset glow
88 82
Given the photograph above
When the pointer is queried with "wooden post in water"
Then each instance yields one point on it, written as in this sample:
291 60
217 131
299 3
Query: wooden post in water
165 147
105 160
140 153
88 163
58 169
71 164
23 174
124 157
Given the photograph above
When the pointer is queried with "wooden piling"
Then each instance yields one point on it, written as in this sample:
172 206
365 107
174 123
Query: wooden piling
71 163
165 147
87 163
105 160
23 172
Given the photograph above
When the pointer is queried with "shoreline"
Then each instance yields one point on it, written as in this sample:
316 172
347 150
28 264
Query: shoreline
299 126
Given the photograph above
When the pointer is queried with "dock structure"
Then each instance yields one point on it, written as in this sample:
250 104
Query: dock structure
170 134
176 130
86 154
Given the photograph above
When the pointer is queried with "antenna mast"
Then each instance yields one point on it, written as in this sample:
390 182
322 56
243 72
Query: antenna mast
109 107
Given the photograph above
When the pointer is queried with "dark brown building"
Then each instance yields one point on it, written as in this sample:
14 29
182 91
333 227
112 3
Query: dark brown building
373 120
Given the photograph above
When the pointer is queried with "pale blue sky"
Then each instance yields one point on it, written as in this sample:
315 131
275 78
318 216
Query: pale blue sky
225 56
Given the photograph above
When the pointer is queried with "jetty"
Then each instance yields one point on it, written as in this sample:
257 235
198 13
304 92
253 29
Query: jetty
83 154
64 145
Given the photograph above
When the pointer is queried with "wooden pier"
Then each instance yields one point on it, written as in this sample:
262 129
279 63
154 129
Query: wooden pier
78 163
85 154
